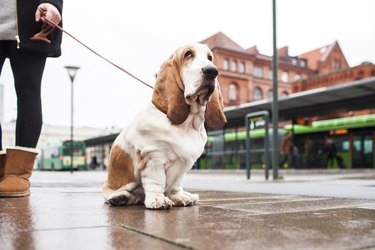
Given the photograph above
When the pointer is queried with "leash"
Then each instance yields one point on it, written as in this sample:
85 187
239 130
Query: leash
47 30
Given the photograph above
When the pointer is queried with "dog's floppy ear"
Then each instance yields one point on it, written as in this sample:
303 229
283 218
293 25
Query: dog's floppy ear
215 117
168 95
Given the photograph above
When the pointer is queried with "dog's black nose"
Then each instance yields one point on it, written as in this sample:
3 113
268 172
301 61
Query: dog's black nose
210 72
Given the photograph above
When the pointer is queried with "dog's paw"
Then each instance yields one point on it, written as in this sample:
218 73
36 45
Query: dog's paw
158 201
120 200
193 197
184 199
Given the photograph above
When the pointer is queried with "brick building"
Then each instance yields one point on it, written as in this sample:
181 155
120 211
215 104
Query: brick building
246 75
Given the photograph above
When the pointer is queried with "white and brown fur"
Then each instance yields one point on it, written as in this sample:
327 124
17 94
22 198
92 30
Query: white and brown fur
150 157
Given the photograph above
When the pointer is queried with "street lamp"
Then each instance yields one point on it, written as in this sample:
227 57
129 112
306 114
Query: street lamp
275 104
72 71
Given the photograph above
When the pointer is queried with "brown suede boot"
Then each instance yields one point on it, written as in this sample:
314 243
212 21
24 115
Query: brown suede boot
17 171
2 163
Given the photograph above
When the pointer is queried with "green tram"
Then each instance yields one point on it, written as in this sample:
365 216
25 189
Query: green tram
57 156
354 138
227 149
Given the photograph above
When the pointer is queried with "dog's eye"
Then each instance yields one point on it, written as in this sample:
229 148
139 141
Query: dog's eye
209 57
188 54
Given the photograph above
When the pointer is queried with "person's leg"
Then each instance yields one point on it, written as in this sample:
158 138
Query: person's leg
289 160
2 158
336 159
327 161
1 138
2 59
330 161
2 153
27 70
283 161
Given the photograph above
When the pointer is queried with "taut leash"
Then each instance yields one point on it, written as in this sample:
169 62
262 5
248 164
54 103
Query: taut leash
47 30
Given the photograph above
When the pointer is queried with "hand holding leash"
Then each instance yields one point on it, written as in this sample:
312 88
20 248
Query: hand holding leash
48 13
50 16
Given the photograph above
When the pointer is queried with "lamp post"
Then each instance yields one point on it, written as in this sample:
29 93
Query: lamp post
72 71
275 105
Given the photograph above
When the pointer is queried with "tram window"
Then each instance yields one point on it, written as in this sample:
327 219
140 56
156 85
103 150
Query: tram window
367 146
342 143
357 145
345 146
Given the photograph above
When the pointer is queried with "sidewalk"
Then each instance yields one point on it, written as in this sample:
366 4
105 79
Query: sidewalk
66 211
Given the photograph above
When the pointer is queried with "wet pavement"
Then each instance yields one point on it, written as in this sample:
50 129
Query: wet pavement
67 211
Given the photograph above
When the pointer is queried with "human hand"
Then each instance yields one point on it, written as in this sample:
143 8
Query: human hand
49 11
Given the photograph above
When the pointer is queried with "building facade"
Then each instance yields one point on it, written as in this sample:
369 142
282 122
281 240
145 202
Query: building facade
341 76
246 74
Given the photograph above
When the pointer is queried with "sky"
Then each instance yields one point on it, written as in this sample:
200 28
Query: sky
140 35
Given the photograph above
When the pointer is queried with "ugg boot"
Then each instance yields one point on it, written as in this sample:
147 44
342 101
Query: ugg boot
2 163
19 164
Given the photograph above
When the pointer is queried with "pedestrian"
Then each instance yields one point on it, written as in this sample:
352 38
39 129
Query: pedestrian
19 21
331 153
295 157
286 149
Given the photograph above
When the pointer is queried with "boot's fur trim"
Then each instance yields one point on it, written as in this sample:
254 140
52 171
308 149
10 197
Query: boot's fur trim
31 150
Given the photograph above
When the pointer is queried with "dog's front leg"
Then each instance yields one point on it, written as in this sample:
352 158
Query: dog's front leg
174 189
153 182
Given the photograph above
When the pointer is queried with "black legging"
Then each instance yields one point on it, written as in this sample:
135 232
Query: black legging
27 70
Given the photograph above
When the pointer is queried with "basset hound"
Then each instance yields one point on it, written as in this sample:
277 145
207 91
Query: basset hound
150 157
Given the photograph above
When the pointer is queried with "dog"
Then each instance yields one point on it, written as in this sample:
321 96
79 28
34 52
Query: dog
150 157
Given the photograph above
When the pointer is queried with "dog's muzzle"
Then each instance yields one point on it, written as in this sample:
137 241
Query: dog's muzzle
210 72
205 90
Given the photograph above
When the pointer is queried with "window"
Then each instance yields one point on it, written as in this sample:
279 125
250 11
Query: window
297 77
346 146
226 64
270 74
257 94
233 66
294 61
284 76
232 95
302 63
336 65
270 94
242 67
257 71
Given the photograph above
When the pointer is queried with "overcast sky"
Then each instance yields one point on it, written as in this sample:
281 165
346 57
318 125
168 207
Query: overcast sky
139 35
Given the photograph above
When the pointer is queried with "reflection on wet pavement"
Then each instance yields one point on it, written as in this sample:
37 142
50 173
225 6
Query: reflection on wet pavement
76 217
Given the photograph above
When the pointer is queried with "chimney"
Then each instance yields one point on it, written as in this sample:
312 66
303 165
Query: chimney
253 50
283 52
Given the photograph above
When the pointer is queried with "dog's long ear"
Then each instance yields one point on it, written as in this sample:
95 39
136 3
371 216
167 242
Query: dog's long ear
168 95
215 117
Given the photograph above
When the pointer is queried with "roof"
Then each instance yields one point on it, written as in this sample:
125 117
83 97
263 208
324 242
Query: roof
101 140
354 95
318 55
221 40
